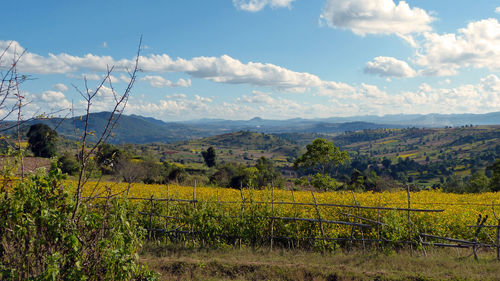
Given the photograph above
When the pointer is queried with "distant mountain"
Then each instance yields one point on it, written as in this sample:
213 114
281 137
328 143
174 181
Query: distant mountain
424 120
140 129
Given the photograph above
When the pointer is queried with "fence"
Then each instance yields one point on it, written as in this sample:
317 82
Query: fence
180 222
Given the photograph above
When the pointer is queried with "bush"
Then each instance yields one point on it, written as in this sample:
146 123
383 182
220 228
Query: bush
68 164
324 182
41 240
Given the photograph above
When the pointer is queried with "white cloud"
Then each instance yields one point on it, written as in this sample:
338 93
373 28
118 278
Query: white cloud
60 87
389 67
52 100
176 96
375 17
477 46
173 107
257 5
88 76
497 10
362 100
257 97
224 69
160 82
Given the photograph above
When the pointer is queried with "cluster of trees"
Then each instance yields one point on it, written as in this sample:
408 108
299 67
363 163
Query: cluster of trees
475 183
110 160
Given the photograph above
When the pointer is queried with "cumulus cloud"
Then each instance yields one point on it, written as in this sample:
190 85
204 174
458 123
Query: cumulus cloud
364 99
257 97
477 46
389 67
60 87
334 89
172 107
176 96
160 82
257 5
226 69
375 17
52 100
223 69
497 10
82 76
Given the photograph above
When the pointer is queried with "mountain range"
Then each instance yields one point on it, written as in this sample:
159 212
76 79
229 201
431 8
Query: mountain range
140 129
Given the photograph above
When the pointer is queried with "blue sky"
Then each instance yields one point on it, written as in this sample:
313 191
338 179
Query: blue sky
275 59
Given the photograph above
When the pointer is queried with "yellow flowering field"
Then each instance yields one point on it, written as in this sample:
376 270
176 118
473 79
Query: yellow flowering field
458 210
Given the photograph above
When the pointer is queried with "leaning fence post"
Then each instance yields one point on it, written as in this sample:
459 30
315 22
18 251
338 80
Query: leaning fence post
272 216
295 217
320 221
168 206
409 216
378 222
150 217
194 209
498 231
480 223
241 212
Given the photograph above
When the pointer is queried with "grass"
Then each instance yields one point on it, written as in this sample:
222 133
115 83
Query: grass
176 262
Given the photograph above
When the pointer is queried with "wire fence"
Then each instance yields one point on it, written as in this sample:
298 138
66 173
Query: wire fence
362 230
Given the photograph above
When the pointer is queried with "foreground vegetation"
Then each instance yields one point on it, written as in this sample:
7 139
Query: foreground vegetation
43 236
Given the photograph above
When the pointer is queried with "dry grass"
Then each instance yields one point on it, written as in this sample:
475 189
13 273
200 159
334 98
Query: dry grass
30 163
180 263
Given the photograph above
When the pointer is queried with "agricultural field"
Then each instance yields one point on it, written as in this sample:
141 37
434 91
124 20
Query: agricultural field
453 215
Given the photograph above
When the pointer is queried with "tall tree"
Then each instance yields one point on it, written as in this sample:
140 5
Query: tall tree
495 176
210 157
321 155
42 140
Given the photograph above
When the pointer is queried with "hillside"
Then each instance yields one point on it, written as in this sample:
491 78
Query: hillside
242 147
425 156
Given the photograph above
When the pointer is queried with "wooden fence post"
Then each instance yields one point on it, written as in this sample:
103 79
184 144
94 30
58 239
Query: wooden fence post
295 217
497 240
409 216
168 206
194 209
479 224
151 217
272 216
320 219
242 209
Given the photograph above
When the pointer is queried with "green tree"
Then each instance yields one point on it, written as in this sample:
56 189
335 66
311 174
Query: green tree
42 140
68 163
267 173
478 182
495 176
210 157
321 155
106 157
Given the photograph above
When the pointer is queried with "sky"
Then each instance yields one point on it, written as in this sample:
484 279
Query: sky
274 59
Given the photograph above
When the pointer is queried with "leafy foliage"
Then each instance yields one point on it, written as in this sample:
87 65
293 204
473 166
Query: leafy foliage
321 154
68 163
210 157
42 140
39 240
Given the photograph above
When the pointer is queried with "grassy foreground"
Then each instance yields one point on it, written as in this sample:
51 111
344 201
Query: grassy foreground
181 263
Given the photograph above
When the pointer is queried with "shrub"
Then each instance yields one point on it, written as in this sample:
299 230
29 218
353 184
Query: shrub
324 182
68 164
41 240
